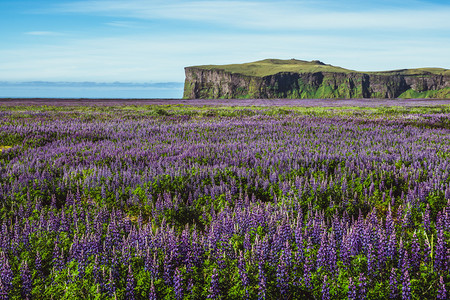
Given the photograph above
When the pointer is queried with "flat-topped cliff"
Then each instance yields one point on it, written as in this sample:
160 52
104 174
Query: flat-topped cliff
273 78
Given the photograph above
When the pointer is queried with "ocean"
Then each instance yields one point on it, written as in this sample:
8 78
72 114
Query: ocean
43 89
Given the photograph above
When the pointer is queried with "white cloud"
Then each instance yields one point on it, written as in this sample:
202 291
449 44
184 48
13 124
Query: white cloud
145 58
265 15
43 33
123 24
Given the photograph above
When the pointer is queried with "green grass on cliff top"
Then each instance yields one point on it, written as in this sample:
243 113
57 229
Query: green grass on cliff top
268 67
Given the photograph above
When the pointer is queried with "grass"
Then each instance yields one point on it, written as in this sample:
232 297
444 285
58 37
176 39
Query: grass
4 147
269 67
273 66
416 71
143 111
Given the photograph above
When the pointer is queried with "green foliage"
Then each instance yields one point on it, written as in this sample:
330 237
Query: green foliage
440 94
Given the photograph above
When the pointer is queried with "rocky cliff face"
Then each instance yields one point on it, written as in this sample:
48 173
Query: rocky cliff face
216 83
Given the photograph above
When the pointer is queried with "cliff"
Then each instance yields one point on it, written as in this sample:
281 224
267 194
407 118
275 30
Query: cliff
294 79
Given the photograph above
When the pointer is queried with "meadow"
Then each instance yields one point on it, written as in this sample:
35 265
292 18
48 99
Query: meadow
219 202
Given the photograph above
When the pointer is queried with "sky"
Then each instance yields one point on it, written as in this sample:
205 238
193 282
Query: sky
152 41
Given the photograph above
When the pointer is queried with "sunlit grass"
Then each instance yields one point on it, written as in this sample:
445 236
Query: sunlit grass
269 67
4 147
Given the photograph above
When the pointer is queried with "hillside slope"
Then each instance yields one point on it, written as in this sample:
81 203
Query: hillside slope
274 78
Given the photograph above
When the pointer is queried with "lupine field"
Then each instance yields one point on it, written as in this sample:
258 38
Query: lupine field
182 202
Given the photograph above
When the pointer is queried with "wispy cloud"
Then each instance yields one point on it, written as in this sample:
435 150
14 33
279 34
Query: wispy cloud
123 24
274 15
144 58
43 33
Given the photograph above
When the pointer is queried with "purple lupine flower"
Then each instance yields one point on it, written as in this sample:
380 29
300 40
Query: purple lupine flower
282 278
26 233
442 292
262 282
331 257
351 289
286 255
276 246
406 286
308 267
168 268
446 212
405 262
416 256
69 199
81 268
389 224
221 259
53 202
439 221
337 229
382 251
102 282
440 254
345 251
401 254
152 292
214 289
243 273
4 241
178 284
371 267
131 284
400 212
111 285
96 272
38 263
298 233
296 267
406 222
317 227
447 261
26 281
154 266
3 292
427 251
325 289
77 200
263 249
58 258
362 287
6 274
393 285
392 246
366 237
190 286
426 218
65 223
242 270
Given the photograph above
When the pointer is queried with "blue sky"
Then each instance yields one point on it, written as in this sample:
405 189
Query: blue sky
152 41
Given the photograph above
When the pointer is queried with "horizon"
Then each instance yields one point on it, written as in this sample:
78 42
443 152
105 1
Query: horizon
91 90
152 41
